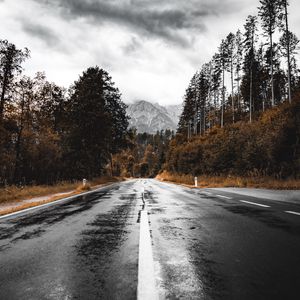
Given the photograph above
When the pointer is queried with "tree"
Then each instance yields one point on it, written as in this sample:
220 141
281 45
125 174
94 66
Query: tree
269 12
202 98
216 81
238 62
223 56
10 64
250 38
230 43
278 74
287 41
288 48
97 123
189 107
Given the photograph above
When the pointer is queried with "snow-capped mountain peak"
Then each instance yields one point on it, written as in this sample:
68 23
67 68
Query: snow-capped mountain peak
150 118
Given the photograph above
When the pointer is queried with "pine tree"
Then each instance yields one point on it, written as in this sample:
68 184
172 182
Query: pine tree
287 42
269 12
10 64
249 46
216 82
230 43
202 98
189 108
98 123
238 62
223 56
288 48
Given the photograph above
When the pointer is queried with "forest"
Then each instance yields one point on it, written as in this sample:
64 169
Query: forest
49 134
241 115
249 127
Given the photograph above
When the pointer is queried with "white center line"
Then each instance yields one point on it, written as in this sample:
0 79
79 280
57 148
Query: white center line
253 203
293 213
146 279
221 196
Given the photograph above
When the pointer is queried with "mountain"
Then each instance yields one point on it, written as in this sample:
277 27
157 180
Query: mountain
150 118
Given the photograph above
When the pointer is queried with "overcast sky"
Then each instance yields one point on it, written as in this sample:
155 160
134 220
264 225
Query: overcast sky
150 47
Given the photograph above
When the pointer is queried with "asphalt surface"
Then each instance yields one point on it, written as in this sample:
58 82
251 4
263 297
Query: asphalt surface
206 244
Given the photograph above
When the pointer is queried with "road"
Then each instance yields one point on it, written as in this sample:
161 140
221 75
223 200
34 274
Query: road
206 244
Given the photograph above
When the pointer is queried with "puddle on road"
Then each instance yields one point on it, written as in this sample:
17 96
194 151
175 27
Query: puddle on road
35 222
100 255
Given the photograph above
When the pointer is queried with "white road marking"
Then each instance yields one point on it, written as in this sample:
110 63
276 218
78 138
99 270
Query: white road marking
253 203
221 196
293 213
146 279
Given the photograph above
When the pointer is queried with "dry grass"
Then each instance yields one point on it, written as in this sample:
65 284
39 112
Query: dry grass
33 204
230 181
16 195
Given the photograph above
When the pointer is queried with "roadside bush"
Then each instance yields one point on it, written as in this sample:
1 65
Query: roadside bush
269 147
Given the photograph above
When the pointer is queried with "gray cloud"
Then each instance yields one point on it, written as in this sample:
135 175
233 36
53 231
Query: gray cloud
164 19
41 32
132 46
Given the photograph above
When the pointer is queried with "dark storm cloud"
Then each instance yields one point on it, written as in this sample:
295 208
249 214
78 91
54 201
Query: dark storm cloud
164 19
41 32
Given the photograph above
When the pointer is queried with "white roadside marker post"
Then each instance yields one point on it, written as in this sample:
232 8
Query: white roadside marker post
84 182
196 181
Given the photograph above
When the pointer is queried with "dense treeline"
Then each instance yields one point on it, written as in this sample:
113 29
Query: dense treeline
241 111
48 133
247 75
267 147
144 156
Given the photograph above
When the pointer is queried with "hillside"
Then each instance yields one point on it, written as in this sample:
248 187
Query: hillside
269 147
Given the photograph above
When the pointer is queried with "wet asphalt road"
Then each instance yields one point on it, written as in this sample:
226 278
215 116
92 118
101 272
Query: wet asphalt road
206 245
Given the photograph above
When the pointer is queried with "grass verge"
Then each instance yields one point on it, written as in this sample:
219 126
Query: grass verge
230 181
14 196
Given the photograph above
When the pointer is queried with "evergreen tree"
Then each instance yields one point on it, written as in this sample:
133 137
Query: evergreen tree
223 56
287 41
249 46
98 123
216 83
238 62
269 12
230 43
288 48
10 64
189 108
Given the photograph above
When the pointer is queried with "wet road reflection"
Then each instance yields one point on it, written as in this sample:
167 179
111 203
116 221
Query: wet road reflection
204 247
85 248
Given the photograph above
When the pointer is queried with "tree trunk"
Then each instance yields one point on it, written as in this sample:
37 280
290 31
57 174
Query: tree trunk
272 75
238 90
3 92
18 142
251 84
288 52
223 99
232 88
